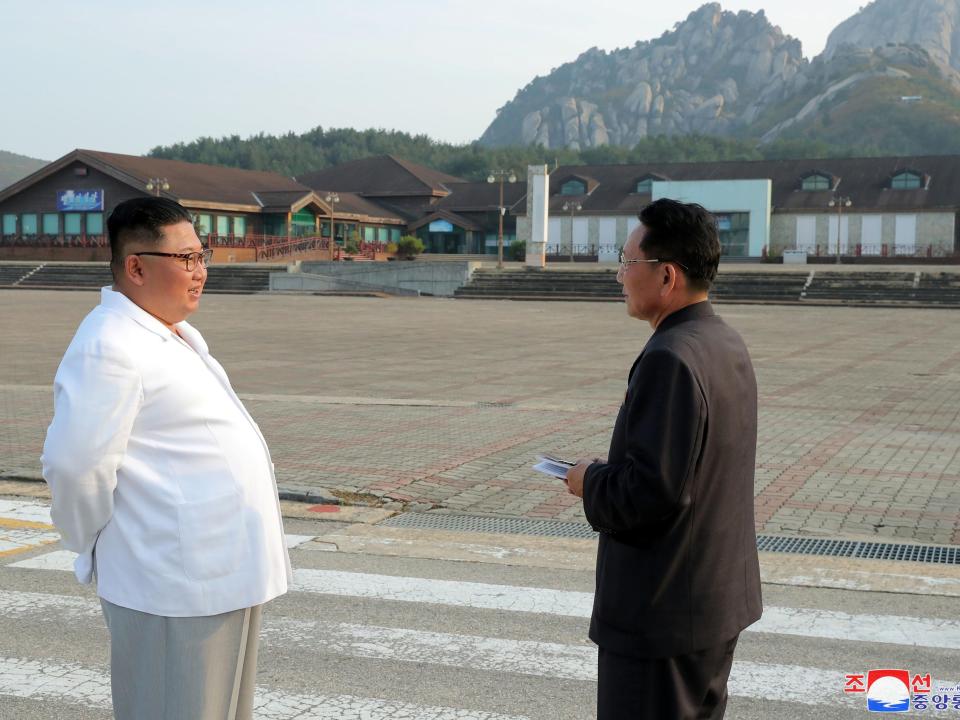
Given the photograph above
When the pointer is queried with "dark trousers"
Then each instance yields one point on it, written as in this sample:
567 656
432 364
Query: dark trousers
686 687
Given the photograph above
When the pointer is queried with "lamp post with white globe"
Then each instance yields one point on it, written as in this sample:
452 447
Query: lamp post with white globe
501 209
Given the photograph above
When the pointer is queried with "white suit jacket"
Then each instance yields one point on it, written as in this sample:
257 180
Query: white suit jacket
161 480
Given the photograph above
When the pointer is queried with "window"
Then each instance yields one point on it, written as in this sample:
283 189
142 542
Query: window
239 226
203 224
369 234
28 224
573 187
51 224
815 182
9 224
71 223
394 234
94 223
223 225
906 181
382 234
644 187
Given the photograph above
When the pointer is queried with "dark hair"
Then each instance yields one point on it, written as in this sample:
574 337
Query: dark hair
686 233
140 220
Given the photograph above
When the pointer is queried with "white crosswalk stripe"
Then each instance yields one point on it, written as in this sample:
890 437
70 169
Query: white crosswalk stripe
818 687
90 687
894 629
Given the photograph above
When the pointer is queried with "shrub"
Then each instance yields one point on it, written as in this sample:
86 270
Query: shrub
352 246
517 250
409 247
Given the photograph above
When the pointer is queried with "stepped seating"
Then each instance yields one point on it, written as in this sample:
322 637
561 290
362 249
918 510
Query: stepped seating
863 287
240 278
603 285
759 287
529 284
10 273
939 289
64 276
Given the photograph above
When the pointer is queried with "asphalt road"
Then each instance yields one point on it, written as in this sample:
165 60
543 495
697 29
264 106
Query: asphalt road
432 626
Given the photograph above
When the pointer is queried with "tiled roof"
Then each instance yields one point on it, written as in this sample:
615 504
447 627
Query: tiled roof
382 175
479 196
189 182
866 181
196 181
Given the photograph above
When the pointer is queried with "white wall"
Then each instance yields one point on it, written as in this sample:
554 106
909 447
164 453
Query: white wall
607 238
807 233
905 235
832 234
871 234
750 196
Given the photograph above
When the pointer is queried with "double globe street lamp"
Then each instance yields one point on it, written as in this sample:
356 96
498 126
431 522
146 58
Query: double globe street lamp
840 202
510 177
572 206
156 184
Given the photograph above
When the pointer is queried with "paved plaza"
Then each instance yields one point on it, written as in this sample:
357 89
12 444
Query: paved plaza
444 403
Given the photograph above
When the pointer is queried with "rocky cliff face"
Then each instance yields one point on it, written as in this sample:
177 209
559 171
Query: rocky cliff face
720 73
715 72
933 25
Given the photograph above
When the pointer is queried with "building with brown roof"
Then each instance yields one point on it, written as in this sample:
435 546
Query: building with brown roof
894 206
59 211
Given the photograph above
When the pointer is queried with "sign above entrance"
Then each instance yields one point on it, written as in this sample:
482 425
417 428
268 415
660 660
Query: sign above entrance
79 200
441 226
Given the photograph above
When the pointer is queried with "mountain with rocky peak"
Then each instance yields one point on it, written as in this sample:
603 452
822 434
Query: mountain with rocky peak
933 25
737 75
706 76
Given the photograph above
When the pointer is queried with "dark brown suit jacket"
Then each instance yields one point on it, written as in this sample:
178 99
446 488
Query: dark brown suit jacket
677 567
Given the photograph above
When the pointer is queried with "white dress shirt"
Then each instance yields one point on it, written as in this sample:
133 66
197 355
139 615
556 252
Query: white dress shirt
161 480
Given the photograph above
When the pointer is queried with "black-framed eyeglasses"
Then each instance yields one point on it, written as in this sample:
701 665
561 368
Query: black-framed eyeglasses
624 263
189 260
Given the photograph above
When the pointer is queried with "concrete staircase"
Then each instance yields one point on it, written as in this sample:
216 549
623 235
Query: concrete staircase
848 288
91 276
603 285
886 288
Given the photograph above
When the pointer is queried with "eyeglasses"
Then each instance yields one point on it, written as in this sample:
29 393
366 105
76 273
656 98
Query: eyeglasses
625 263
189 260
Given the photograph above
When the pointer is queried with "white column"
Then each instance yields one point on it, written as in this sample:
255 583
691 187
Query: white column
607 240
538 189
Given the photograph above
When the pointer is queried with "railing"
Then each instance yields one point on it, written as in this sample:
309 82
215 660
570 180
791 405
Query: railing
879 250
276 248
581 253
53 241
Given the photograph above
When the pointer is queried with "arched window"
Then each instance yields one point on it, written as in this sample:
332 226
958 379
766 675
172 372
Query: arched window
573 187
816 181
906 181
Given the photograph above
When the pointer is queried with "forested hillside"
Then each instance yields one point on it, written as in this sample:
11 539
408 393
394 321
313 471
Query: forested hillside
293 154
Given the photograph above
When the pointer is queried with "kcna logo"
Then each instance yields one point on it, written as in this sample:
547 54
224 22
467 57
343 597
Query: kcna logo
896 691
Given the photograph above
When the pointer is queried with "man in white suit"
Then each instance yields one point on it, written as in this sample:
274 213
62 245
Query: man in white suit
163 483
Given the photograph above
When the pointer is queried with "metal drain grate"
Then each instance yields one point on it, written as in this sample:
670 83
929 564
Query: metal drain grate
478 523
826 547
860 549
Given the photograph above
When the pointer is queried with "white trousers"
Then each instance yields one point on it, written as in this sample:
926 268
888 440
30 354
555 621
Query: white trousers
180 668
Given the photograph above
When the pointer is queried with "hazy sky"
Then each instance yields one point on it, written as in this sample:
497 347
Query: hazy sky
126 76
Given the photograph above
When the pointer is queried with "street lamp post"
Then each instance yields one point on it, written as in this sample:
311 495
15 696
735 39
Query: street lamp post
501 209
332 199
573 207
840 202
156 184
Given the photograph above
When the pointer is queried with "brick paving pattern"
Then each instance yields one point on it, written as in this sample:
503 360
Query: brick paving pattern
443 404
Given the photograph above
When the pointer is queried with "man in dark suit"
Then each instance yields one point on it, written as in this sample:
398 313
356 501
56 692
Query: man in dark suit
678 575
